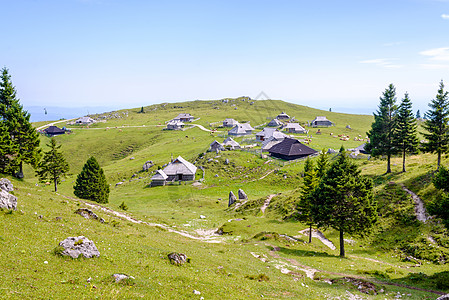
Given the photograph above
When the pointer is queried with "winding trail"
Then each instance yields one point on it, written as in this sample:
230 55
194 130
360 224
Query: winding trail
267 202
318 234
208 236
420 210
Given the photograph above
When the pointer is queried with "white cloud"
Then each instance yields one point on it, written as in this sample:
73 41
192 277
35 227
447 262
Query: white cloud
435 66
445 16
440 54
381 62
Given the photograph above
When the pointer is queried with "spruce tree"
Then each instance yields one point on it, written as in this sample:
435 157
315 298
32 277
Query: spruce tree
381 135
5 148
344 200
24 138
304 205
437 125
406 134
53 165
418 114
322 163
91 183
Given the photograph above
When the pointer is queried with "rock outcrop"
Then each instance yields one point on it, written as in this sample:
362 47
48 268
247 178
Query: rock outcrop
76 246
147 165
177 258
120 277
6 185
232 198
242 195
88 214
7 200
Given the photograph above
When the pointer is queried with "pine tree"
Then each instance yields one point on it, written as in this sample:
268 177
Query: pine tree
310 183
5 148
406 134
437 125
344 200
441 179
418 114
53 165
381 135
322 163
24 138
91 183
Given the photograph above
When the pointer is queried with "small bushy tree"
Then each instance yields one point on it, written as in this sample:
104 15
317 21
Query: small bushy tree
441 179
91 183
344 200
53 165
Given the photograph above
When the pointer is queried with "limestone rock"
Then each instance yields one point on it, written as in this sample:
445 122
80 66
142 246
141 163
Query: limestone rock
444 297
120 277
6 185
226 161
232 198
331 151
76 246
177 258
88 214
147 165
7 200
242 195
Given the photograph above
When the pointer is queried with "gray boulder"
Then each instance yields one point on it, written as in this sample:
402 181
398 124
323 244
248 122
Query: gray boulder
331 151
120 277
242 195
76 246
444 297
232 198
226 161
7 200
147 165
177 258
6 185
88 214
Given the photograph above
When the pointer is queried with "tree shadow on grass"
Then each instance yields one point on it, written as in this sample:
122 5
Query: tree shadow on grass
302 253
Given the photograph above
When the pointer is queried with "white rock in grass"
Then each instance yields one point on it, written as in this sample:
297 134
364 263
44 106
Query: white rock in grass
76 246
7 200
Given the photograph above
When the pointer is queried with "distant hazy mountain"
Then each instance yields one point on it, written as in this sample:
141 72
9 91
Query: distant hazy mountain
50 113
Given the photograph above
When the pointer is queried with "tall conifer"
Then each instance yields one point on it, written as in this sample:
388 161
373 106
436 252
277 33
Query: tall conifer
437 125
406 135
381 135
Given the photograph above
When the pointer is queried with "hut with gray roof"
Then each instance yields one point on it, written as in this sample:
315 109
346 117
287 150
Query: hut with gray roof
274 123
241 129
216 146
294 128
269 132
283 116
175 125
321 121
159 179
228 122
184 118
230 144
180 170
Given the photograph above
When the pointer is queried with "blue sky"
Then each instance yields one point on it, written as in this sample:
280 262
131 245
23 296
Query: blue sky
322 54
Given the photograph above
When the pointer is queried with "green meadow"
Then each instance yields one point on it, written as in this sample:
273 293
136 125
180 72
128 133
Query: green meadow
259 254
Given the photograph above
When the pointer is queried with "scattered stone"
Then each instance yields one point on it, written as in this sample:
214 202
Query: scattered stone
88 214
331 151
147 165
444 297
177 258
134 175
226 161
118 183
120 277
132 158
202 217
276 248
348 126
76 246
232 198
242 195
7 200
196 292
216 175
6 185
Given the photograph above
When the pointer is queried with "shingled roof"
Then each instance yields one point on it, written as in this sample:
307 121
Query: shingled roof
291 149
180 166
53 130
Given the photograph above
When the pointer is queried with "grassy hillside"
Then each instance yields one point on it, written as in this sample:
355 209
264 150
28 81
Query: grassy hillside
258 255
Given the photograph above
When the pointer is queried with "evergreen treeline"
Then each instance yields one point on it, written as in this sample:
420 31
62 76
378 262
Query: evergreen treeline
394 130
